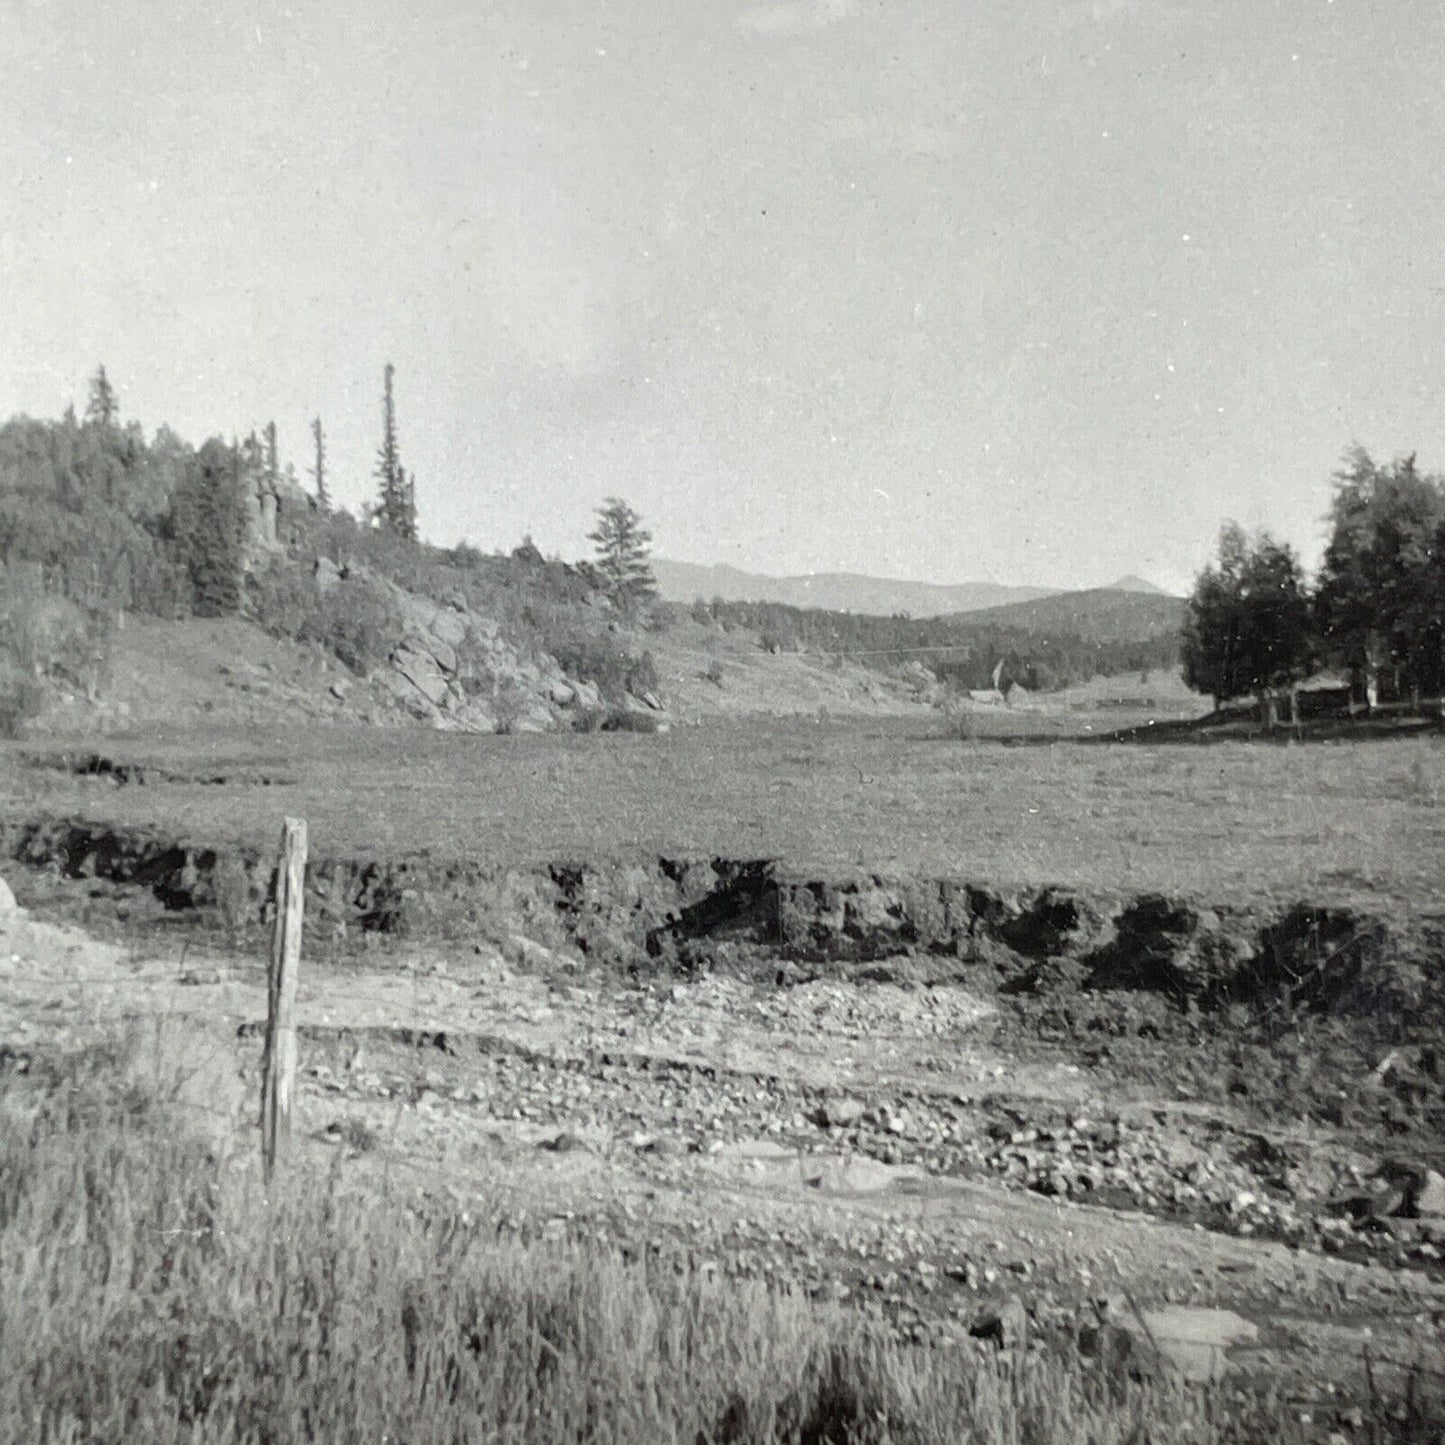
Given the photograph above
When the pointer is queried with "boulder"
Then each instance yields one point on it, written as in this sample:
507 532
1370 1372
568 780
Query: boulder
444 653
421 670
1190 1342
327 574
588 695
839 1113
474 716
1414 1190
449 627
408 695
1428 1198
1005 1324
852 1174
8 905
534 719
1195 1341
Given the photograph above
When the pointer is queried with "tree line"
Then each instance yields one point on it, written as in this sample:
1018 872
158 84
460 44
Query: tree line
957 649
1255 627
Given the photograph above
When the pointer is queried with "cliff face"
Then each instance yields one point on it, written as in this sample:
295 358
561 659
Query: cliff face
278 511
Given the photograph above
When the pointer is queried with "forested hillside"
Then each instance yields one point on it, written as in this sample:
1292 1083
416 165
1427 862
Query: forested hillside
966 648
100 521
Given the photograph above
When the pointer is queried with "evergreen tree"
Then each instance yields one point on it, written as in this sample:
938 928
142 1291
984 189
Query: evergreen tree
1249 628
273 463
208 524
1379 605
103 406
408 512
392 511
622 555
318 471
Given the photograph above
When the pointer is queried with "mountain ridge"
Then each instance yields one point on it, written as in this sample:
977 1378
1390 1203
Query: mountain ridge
685 582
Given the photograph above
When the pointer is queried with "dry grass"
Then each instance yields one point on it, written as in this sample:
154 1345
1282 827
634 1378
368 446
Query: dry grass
150 1293
1361 823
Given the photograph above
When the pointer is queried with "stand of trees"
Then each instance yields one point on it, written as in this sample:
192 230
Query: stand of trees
1377 612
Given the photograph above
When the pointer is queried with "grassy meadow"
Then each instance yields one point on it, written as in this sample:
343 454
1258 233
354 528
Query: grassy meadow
1360 822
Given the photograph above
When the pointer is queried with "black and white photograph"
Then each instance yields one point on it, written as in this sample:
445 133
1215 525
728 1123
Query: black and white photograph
722 722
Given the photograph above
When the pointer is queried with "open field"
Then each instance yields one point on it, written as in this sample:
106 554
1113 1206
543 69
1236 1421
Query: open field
1362 824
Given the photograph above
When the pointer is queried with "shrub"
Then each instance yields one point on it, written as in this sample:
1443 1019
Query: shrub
597 657
22 698
45 639
624 720
960 721
355 620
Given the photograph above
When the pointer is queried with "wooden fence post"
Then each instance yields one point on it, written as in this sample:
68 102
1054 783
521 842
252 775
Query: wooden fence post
278 1060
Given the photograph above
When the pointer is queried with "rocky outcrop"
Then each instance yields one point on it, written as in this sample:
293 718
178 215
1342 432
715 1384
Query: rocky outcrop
454 670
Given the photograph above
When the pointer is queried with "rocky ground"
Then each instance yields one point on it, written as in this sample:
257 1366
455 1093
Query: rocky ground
892 1135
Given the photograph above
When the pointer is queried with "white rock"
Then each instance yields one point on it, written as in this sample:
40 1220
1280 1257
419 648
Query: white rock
1196 1340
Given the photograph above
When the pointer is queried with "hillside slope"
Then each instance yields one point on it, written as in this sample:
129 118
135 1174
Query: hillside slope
1101 614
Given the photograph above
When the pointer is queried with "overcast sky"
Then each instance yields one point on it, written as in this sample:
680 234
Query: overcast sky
1033 290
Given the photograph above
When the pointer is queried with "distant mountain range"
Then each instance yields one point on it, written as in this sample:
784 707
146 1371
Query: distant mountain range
853 592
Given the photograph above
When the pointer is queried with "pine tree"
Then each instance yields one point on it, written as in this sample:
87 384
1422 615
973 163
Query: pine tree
622 555
208 523
408 516
103 406
391 509
273 464
319 470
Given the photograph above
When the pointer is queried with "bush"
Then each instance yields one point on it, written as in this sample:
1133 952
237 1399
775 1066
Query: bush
960 721
45 640
598 658
624 720
353 619
22 698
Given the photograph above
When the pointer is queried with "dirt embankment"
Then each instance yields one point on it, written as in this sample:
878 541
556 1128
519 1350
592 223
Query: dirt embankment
688 914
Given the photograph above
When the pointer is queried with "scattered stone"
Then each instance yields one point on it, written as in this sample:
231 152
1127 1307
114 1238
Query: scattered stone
839 1113
8 905
1416 1191
201 976
1005 1324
